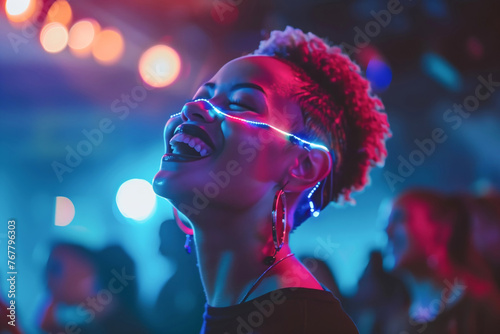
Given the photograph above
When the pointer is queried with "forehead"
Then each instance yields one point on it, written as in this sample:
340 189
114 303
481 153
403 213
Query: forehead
278 81
270 73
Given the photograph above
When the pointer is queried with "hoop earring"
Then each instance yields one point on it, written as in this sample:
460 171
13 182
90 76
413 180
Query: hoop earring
279 198
189 231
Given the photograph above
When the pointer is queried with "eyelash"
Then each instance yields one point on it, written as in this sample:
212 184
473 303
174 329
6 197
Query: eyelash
236 101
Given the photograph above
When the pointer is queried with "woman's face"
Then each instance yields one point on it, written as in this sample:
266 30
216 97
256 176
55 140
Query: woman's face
413 236
232 165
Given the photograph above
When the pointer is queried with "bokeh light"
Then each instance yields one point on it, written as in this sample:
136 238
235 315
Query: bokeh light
54 37
442 71
20 10
81 36
159 66
136 199
367 54
61 12
65 211
436 8
108 46
475 48
379 74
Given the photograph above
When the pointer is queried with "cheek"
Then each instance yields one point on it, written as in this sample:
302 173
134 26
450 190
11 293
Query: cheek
260 153
418 237
251 161
400 240
256 164
402 243
423 242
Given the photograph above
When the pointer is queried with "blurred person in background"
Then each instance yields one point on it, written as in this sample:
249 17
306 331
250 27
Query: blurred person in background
181 302
451 290
5 327
118 275
486 230
91 292
71 279
268 142
380 295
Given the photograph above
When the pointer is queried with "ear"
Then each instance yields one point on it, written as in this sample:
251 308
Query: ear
309 168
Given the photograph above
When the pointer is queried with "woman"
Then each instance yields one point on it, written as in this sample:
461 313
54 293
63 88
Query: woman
451 290
91 292
245 182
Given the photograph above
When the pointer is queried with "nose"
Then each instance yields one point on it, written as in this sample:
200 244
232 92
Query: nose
198 111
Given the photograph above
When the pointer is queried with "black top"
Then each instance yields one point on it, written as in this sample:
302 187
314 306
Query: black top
288 310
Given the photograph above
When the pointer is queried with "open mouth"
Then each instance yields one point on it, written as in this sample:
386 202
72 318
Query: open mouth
188 143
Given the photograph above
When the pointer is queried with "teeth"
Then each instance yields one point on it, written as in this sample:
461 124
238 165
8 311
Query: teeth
193 142
174 150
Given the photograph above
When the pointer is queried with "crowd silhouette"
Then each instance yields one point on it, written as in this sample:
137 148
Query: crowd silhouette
444 277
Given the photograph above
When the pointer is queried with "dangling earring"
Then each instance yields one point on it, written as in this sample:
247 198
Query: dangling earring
187 244
189 231
279 198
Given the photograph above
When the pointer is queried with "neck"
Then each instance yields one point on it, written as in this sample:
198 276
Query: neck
423 293
230 257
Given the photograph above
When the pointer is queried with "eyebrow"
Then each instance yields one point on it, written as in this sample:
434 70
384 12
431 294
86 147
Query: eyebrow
237 86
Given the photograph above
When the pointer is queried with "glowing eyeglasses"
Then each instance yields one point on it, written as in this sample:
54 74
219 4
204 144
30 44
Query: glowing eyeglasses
290 136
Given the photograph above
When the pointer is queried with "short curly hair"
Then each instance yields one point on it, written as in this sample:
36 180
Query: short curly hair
338 108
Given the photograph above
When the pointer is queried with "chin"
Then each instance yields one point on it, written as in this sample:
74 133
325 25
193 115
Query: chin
162 184
176 188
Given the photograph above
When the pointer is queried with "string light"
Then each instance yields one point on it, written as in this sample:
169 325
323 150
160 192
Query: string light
175 115
293 139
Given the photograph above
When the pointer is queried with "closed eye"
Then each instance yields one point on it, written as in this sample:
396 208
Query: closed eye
235 105
239 106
